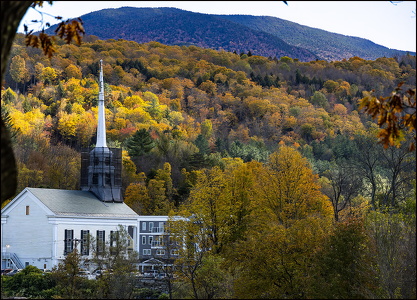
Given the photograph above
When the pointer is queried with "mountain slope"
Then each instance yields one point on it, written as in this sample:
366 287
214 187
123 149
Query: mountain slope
173 26
266 36
327 45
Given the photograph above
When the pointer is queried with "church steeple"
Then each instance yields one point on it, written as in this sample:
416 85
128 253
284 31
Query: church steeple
104 168
101 127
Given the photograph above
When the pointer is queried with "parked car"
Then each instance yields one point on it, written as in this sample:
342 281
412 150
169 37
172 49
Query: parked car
98 272
86 274
12 272
46 271
5 271
160 275
150 273
137 274
154 274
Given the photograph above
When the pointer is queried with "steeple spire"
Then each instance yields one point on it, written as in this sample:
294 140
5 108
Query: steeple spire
103 173
101 127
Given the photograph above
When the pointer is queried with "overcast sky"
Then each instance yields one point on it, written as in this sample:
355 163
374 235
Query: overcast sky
392 25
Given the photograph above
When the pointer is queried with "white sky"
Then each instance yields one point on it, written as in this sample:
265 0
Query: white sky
384 23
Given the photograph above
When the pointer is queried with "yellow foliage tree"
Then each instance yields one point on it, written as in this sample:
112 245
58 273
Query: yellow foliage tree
67 124
72 71
291 218
137 198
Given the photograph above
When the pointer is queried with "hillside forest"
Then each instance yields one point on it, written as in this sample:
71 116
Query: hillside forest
272 156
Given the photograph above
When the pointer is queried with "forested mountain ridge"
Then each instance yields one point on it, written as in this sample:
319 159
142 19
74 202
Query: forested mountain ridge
326 45
266 36
172 26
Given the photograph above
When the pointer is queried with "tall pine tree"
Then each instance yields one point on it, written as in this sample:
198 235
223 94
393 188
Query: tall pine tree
140 143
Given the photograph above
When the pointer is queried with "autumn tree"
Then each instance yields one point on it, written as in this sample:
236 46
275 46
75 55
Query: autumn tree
72 71
18 70
137 198
115 254
213 280
220 201
189 235
343 267
67 275
165 174
129 171
63 167
368 164
400 171
207 128
214 220
159 201
291 219
48 75
393 233
341 186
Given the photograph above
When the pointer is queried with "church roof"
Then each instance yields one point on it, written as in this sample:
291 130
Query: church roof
80 203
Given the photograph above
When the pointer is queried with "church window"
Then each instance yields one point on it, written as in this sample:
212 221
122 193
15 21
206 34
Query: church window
146 251
130 230
69 241
85 239
150 240
95 178
160 252
100 241
27 210
143 225
174 252
143 240
150 226
114 242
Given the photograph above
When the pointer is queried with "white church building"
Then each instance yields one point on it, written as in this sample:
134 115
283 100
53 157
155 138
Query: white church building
41 226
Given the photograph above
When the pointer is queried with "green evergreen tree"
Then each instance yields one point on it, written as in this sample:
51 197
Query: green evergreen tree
60 91
8 123
140 143
202 144
9 96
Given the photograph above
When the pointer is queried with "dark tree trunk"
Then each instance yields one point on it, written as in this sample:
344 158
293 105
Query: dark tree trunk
11 14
